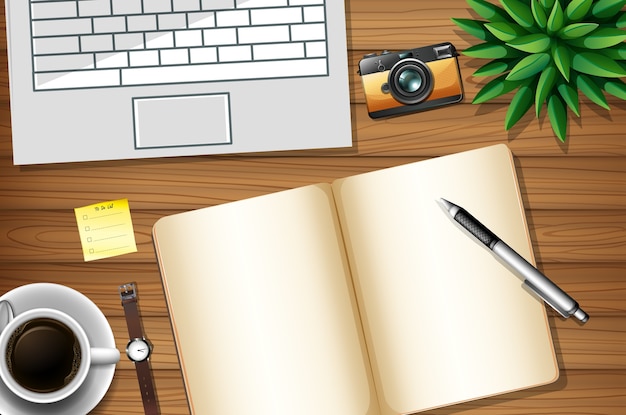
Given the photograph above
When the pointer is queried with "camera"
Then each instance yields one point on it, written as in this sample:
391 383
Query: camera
412 80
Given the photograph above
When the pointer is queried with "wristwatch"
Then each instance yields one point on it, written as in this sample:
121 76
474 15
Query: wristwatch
139 348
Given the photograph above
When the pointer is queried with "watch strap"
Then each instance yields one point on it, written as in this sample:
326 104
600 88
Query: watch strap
135 331
146 386
131 310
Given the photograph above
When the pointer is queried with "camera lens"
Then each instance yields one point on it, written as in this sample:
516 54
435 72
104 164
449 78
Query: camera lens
411 81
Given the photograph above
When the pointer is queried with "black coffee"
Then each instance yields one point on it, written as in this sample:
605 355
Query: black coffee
43 355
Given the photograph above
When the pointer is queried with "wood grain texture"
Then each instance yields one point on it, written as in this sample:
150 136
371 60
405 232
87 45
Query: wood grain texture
551 183
574 195
558 236
123 395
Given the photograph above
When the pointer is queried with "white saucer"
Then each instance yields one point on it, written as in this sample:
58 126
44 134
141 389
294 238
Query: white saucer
98 330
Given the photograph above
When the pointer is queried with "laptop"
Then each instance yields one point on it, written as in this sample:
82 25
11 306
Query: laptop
126 79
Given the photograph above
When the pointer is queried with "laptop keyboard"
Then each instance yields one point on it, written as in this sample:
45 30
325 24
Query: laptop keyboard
108 43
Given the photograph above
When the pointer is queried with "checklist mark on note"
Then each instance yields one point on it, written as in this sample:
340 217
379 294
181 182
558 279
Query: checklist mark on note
105 229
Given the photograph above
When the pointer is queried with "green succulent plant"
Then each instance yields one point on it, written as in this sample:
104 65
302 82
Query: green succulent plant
549 50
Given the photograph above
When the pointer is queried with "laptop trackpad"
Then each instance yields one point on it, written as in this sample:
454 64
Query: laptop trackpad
181 121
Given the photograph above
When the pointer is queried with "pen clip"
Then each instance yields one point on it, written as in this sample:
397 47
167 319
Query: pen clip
545 298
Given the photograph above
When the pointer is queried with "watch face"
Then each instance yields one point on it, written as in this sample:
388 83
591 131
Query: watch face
138 350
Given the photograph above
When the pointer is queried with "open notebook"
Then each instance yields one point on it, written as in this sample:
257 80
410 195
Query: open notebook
359 297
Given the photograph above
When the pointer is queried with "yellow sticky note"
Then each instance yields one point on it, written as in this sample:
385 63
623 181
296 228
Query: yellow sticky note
105 229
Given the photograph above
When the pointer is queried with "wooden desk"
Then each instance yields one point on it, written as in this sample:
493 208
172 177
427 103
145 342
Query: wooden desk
574 194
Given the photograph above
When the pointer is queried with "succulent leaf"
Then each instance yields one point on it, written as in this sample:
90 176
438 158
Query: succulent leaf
577 9
539 14
495 67
617 52
615 87
558 116
489 11
547 4
495 88
607 8
519 11
529 66
621 21
562 58
556 19
600 39
591 90
570 96
506 31
520 104
491 51
535 43
474 27
547 80
576 30
597 65
609 21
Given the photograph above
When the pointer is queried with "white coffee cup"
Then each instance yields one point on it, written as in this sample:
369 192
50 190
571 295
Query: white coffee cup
89 356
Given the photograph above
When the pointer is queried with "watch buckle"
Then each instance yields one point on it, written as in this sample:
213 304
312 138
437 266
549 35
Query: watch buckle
127 291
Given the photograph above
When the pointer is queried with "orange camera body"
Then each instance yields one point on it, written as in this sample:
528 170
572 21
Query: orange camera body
411 81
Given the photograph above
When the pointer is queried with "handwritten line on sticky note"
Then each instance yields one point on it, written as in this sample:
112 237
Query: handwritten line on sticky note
105 229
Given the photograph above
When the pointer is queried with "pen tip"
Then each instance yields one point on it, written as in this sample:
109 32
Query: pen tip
443 202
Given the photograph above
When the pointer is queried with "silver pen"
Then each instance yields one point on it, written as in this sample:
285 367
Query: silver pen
533 278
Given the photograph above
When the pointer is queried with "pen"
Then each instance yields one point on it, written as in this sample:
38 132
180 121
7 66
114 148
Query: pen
533 278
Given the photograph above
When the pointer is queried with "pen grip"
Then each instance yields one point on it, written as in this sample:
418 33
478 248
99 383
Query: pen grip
476 228
539 283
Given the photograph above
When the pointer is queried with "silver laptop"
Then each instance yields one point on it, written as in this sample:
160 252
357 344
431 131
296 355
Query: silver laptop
124 79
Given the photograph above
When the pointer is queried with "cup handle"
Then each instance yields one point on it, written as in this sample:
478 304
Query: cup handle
6 314
104 355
